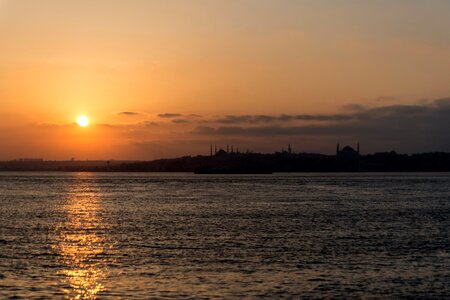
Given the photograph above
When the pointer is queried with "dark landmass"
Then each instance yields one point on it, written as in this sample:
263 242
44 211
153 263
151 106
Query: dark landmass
345 160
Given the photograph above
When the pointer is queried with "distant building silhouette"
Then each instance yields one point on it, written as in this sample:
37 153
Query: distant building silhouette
31 159
221 152
349 156
347 159
347 151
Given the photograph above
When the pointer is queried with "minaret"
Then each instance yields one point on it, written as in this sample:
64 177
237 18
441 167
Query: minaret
359 157
289 149
337 149
215 149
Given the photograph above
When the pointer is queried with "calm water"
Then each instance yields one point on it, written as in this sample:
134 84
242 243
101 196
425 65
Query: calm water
134 236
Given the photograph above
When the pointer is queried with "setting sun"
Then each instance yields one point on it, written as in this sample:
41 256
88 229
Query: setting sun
83 121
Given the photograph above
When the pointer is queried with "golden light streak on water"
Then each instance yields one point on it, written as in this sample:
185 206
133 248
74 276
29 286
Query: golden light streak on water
82 244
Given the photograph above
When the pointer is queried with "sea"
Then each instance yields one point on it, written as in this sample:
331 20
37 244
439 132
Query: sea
187 236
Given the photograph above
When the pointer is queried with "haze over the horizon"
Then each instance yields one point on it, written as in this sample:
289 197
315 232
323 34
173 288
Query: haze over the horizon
167 78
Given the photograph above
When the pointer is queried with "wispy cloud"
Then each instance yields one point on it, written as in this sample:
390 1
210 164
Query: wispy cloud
54 125
149 123
128 113
169 115
180 121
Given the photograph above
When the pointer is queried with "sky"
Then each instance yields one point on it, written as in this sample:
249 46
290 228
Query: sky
168 78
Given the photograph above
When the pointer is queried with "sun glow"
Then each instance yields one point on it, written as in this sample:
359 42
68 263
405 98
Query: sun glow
83 121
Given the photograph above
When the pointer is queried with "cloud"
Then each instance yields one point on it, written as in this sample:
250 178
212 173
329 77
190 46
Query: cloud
194 116
169 115
264 130
444 102
335 117
406 127
149 123
353 107
231 119
180 121
55 125
128 113
239 119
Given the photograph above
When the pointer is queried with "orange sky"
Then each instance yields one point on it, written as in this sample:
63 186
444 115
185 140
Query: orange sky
219 66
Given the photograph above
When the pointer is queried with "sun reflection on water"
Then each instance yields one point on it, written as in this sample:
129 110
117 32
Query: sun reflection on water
82 243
